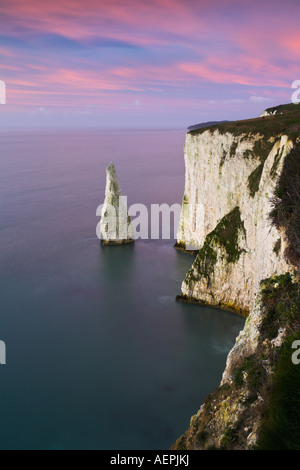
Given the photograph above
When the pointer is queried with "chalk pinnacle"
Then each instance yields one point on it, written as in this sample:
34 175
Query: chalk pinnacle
115 225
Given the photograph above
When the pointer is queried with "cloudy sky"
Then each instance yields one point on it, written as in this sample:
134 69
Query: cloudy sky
145 63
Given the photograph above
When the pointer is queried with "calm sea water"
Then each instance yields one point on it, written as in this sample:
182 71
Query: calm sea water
99 354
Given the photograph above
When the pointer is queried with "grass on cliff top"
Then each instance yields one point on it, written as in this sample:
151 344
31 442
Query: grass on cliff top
282 109
286 123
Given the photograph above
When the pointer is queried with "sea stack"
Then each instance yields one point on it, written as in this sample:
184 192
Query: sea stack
115 225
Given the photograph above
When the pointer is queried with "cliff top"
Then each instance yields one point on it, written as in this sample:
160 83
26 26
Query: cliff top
286 120
281 109
204 124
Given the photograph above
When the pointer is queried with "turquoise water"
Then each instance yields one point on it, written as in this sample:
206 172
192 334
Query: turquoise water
99 354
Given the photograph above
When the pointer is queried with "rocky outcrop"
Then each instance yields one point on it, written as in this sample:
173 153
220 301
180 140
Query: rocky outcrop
231 173
115 225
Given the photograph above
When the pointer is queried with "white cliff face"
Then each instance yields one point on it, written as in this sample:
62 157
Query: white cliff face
225 173
237 407
115 225
233 176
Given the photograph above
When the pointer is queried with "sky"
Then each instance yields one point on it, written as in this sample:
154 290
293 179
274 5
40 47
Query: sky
145 63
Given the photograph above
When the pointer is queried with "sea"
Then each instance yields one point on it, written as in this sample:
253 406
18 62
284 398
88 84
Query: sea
99 355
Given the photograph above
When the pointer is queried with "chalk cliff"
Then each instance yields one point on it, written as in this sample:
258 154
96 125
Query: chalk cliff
231 172
243 178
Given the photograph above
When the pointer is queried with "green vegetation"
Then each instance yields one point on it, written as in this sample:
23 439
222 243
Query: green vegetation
277 246
268 373
202 436
223 158
285 121
261 150
280 414
204 263
233 149
225 235
281 418
254 179
266 384
285 212
280 298
281 425
267 126
229 436
249 372
277 158
181 443
282 109
113 187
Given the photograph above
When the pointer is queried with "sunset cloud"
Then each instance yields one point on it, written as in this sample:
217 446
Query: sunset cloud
184 55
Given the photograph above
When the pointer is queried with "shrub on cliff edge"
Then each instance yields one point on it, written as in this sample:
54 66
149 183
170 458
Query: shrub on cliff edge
286 204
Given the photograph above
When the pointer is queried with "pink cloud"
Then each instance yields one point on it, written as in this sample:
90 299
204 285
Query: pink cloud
210 44
132 21
237 69
6 52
